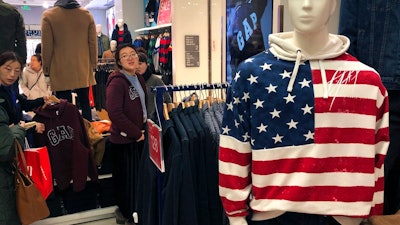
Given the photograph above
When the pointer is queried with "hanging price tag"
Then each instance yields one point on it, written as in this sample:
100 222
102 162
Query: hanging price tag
155 145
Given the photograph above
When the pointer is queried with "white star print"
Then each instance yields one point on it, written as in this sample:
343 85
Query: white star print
252 79
278 138
225 130
275 113
249 60
290 98
262 128
292 124
237 124
307 109
252 141
236 100
241 118
271 88
237 76
309 135
259 104
285 74
266 66
305 83
230 106
246 95
246 136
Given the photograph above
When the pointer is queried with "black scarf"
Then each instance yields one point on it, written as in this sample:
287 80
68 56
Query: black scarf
67 4
147 74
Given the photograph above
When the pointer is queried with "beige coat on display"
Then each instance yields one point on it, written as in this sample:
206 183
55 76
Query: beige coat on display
69 48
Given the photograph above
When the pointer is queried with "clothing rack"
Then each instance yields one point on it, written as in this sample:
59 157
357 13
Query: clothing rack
159 90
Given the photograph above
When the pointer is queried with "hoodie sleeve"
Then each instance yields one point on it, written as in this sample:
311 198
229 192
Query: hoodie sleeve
235 153
115 95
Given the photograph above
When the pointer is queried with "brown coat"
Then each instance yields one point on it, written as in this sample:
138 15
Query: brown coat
69 48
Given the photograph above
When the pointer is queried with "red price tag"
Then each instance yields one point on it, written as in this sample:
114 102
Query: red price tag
155 145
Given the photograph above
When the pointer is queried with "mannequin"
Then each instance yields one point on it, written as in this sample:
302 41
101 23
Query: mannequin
110 53
69 58
121 33
103 43
120 24
289 135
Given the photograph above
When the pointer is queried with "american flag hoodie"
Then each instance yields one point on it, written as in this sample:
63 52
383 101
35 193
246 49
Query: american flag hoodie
303 133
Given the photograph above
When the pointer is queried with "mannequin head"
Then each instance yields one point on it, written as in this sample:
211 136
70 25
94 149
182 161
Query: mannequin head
98 29
311 16
120 24
310 21
113 45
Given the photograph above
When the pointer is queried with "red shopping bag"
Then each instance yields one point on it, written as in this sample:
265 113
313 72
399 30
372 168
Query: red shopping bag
39 169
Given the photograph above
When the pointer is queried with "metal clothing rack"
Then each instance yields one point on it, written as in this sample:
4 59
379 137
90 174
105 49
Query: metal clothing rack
159 90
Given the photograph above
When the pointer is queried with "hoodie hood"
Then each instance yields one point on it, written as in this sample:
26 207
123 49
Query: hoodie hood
67 4
282 48
125 26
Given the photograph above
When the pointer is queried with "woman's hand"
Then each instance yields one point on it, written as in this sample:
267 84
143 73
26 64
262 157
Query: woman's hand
141 137
40 128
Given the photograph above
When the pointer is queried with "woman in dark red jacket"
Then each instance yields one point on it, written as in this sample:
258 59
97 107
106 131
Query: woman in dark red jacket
126 106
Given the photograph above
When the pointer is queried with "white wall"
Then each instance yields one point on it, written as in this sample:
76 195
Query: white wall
131 11
189 17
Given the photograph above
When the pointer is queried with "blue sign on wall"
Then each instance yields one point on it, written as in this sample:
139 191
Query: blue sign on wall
248 25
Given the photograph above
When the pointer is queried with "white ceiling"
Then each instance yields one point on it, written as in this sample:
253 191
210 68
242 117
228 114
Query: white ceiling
89 4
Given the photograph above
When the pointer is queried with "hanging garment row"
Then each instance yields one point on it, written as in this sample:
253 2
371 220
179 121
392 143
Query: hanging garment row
187 192
104 68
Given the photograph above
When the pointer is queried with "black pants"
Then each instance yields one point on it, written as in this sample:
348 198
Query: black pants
125 175
83 98
392 160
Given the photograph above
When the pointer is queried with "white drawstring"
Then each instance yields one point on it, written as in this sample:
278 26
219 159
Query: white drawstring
323 76
295 71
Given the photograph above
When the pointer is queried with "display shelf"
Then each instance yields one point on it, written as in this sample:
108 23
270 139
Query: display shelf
153 27
81 217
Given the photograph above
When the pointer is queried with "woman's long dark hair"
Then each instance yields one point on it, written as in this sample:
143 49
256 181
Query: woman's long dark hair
10 56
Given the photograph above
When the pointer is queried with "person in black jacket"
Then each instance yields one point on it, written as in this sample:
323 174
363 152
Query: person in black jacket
12 31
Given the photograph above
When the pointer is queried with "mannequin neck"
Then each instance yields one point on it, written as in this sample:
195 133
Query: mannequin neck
311 43
121 28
